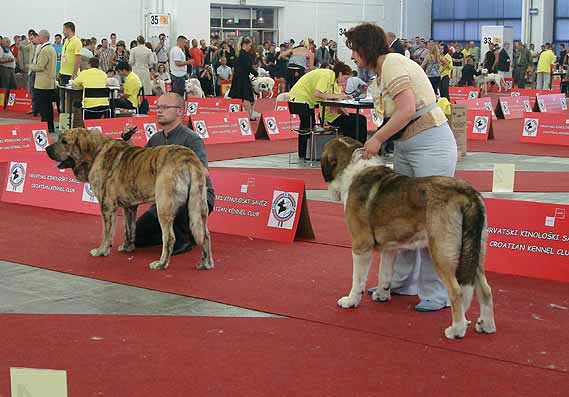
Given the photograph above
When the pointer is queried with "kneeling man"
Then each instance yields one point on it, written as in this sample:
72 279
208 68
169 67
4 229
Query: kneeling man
171 110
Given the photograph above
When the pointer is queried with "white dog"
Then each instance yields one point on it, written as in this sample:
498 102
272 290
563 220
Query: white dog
260 85
485 78
194 88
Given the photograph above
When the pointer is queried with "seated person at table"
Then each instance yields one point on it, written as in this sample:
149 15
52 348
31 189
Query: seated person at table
112 81
93 77
131 88
325 84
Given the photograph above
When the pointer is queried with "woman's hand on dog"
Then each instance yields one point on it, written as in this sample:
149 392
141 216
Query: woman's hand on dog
371 147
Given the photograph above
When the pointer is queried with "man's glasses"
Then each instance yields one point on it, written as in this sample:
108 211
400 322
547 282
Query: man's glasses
162 108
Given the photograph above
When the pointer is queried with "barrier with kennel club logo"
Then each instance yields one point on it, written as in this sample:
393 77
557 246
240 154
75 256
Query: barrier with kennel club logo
479 104
278 125
462 93
551 103
115 127
264 207
212 105
479 125
18 138
19 101
513 107
226 127
546 128
32 179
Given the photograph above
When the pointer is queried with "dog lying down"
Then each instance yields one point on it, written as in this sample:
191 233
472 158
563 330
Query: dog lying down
391 212
125 176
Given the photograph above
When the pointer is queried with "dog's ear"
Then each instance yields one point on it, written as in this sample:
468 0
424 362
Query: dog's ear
328 165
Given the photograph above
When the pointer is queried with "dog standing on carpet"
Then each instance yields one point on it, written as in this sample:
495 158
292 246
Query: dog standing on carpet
485 78
389 212
125 176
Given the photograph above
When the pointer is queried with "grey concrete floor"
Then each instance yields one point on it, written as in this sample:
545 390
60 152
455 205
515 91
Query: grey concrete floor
25 289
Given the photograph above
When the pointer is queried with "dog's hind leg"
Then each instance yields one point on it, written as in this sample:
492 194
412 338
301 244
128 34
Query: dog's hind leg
383 291
485 323
129 222
109 213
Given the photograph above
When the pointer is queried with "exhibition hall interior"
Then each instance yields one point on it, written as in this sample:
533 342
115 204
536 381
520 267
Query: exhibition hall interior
284 198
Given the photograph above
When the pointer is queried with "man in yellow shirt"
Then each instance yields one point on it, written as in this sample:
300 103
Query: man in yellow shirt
93 77
70 54
546 59
131 87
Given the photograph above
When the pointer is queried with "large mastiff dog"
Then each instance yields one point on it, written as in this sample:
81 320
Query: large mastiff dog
125 176
389 212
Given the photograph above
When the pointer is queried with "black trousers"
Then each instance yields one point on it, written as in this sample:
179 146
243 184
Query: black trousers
122 103
148 231
443 88
306 122
435 82
293 75
96 112
44 101
347 126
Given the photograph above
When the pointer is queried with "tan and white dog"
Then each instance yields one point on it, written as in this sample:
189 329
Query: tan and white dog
390 212
485 78
194 88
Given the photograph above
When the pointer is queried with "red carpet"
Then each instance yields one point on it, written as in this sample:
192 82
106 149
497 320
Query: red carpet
507 140
525 181
4 114
301 280
188 356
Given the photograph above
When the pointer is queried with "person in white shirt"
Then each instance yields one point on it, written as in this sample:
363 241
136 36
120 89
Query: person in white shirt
179 66
223 72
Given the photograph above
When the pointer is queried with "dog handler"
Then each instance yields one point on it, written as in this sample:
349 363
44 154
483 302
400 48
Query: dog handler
171 110
424 144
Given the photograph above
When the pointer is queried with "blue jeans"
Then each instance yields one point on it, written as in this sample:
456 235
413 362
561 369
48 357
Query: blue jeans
179 85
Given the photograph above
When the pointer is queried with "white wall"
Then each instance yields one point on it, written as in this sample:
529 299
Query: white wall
537 29
297 18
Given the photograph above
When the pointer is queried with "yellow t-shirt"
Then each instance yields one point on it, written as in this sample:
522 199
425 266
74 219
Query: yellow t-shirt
546 59
323 80
446 70
92 78
132 87
398 74
71 48
466 52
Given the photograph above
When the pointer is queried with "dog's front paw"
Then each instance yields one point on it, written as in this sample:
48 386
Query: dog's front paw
205 265
381 295
348 302
456 331
100 252
485 327
158 265
126 248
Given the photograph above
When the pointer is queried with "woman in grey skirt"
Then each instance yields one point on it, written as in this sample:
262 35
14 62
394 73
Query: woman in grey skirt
424 144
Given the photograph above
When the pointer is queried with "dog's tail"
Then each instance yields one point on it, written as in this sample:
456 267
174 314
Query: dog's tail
473 238
197 204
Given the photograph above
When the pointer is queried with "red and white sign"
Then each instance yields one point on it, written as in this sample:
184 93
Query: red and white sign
479 125
18 138
528 239
546 128
463 93
551 103
152 103
265 207
479 104
212 105
281 106
115 127
19 101
33 179
509 81
278 125
223 127
513 107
